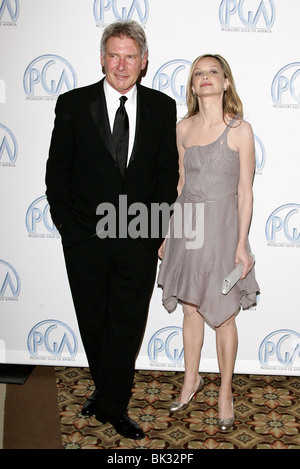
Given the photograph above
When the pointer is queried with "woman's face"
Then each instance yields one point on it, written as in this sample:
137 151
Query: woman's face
208 78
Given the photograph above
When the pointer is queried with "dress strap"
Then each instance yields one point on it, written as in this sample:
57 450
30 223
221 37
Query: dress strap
229 126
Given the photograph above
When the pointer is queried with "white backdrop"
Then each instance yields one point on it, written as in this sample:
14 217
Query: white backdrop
50 46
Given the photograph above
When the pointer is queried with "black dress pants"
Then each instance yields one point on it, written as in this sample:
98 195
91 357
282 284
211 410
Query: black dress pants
111 281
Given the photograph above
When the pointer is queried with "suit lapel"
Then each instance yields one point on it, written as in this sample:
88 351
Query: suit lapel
99 113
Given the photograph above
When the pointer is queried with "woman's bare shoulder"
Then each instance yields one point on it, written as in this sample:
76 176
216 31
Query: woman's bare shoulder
184 125
243 128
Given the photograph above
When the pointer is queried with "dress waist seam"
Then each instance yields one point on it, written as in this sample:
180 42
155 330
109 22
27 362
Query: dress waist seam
201 199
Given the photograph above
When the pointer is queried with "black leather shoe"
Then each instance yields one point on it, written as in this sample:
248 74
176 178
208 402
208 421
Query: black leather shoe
123 425
89 407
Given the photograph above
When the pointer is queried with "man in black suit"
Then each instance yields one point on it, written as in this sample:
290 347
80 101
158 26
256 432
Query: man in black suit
112 277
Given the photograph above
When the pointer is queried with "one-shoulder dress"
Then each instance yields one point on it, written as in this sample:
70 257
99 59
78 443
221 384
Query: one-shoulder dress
198 257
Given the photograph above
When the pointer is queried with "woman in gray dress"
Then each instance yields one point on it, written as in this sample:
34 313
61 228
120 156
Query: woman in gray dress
216 163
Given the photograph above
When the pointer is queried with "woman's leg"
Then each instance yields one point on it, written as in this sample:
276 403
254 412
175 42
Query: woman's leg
193 332
227 341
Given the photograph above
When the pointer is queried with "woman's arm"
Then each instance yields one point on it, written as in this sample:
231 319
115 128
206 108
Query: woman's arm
246 148
181 151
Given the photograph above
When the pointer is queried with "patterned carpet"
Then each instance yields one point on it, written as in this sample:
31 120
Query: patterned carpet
266 407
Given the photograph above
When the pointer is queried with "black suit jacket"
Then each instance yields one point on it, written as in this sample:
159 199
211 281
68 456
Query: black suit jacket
82 171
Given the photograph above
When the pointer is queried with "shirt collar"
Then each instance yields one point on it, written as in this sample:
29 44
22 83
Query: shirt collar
113 96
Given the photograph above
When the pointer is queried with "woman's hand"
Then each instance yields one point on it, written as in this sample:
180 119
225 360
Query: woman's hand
161 249
242 255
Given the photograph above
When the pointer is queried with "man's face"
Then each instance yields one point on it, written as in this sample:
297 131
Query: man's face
122 63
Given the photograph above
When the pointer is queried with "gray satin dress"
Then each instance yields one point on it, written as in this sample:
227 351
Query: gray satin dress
196 260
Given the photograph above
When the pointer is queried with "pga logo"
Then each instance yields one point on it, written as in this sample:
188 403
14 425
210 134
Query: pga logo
248 13
8 146
286 85
10 284
283 225
9 10
52 337
260 155
38 218
171 78
166 343
49 75
282 346
106 11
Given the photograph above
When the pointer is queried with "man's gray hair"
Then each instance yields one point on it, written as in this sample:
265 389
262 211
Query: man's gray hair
130 29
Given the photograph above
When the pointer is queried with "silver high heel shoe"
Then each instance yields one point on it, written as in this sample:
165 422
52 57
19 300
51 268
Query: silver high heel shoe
225 424
176 406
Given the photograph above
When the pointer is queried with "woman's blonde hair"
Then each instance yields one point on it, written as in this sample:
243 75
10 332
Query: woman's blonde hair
232 104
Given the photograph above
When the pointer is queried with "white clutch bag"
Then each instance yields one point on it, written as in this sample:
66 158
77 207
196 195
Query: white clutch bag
233 277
